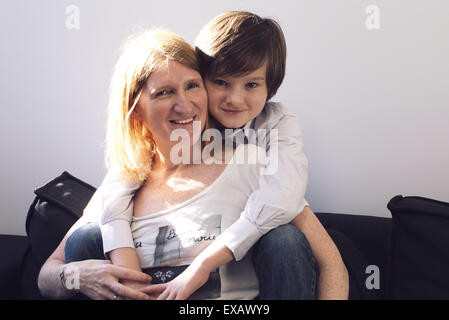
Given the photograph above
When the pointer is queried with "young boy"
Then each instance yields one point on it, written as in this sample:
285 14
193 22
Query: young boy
242 58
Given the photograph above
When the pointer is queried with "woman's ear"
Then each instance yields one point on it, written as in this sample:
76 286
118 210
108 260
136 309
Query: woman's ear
135 108
137 114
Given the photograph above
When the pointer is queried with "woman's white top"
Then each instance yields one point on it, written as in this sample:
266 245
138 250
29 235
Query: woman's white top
278 198
175 236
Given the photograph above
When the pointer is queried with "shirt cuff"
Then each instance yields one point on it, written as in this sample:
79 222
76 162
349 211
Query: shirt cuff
306 204
240 237
116 234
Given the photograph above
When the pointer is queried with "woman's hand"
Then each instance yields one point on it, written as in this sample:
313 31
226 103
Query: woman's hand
136 285
182 287
99 280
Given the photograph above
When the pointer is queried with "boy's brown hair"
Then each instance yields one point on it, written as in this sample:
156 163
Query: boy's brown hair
237 42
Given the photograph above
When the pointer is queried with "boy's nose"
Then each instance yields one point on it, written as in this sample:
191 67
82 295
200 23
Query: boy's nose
235 97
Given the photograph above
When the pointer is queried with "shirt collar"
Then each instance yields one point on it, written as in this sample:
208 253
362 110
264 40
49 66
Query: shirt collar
229 133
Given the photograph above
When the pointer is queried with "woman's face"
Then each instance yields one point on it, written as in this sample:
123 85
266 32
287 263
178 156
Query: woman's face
173 97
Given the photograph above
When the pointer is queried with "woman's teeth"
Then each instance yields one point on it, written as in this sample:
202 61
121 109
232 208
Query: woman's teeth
182 121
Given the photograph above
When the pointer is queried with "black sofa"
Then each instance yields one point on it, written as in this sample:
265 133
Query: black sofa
403 257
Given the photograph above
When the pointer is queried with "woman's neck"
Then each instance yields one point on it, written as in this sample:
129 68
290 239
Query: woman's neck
163 161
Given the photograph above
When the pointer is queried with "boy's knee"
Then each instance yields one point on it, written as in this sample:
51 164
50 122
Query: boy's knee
84 243
285 243
285 251
285 236
86 233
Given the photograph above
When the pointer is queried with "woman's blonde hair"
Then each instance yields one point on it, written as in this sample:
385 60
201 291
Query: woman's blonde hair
130 147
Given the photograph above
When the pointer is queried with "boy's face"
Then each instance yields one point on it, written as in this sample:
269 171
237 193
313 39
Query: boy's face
236 100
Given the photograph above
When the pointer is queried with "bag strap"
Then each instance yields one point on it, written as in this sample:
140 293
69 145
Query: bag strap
68 192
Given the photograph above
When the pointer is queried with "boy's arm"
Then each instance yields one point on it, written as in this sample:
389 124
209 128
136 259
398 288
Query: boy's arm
277 201
115 204
195 276
125 257
281 189
112 204
333 282
112 207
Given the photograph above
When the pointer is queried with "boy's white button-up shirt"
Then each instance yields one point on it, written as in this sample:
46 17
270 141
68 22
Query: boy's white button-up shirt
279 199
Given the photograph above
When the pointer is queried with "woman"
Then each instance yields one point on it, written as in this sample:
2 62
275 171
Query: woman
151 123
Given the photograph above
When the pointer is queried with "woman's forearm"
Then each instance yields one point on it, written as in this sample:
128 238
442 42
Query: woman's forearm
50 283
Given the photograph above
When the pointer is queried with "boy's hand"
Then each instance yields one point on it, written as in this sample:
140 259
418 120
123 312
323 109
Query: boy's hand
182 287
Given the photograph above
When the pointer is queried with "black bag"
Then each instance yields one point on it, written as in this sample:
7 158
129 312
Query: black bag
56 207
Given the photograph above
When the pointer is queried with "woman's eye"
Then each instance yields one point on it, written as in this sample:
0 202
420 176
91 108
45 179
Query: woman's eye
192 85
252 85
163 93
220 82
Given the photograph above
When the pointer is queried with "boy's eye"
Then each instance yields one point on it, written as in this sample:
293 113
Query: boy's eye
252 85
220 82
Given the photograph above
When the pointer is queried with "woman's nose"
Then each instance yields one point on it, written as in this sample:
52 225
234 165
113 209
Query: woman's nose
183 104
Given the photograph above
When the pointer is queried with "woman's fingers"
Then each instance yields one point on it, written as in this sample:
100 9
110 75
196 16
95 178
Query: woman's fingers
154 288
157 290
111 274
105 294
128 293
100 280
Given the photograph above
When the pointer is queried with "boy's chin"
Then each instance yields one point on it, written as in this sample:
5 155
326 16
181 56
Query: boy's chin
232 124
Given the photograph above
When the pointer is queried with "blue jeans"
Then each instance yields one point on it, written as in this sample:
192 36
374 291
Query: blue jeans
285 265
282 259
84 243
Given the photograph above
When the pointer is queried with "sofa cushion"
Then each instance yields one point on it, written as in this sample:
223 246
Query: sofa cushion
419 249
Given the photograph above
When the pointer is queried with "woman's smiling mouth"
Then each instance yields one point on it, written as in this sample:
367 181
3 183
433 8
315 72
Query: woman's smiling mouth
183 121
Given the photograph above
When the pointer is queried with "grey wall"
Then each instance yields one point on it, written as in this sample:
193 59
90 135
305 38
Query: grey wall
373 104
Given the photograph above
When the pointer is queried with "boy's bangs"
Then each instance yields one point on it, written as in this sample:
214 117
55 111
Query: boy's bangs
238 63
